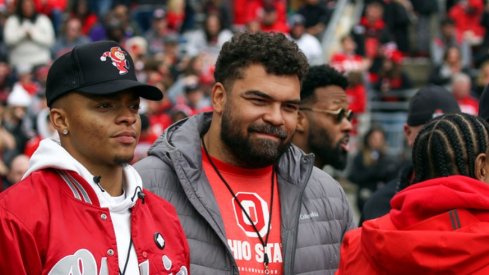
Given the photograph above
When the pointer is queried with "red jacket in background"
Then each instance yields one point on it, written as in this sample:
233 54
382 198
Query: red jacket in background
468 18
50 224
440 226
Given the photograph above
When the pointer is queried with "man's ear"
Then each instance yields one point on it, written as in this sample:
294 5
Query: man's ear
302 122
59 119
218 97
481 172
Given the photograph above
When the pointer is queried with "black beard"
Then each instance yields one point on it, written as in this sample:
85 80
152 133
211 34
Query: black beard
326 151
253 153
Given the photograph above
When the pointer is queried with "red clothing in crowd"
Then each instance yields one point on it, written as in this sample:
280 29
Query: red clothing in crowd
159 123
256 10
357 102
347 62
469 105
47 6
437 226
373 32
87 22
468 18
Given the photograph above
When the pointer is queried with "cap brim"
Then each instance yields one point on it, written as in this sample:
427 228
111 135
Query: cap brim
115 86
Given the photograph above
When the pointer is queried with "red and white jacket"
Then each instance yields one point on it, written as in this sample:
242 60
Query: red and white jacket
54 222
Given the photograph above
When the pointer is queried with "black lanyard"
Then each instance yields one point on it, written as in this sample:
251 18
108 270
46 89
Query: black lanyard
264 243
127 259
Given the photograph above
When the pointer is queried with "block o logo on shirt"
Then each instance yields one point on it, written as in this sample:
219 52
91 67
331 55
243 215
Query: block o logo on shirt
257 209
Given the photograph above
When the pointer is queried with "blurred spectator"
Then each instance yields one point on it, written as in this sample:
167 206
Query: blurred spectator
307 43
372 167
357 97
109 29
101 7
6 81
14 120
222 9
70 37
4 14
270 14
81 10
482 79
44 129
461 89
54 9
346 60
25 77
424 11
239 14
448 38
29 35
397 18
209 39
467 16
137 47
129 26
158 111
146 139
316 15
158 32
371 32
452 64
392 77
16 170
179 112
195 97
176 14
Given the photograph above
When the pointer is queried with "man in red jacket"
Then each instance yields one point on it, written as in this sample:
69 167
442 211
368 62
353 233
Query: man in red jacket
439 224
80 208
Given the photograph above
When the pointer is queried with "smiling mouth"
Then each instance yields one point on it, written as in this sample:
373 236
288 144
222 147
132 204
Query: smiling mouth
268 136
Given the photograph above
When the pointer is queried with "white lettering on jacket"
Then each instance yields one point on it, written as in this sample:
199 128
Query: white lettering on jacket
309 216
80 263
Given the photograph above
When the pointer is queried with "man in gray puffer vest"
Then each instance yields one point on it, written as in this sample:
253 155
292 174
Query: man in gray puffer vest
248 200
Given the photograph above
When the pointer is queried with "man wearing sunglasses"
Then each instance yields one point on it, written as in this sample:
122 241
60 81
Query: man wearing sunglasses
324 123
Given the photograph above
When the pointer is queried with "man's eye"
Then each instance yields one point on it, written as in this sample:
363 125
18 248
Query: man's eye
135 107
104 106
291 107
258 101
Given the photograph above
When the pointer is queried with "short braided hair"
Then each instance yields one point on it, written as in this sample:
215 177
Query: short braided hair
449 145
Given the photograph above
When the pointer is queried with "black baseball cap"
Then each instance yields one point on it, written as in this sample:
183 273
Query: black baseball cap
429 102
98 68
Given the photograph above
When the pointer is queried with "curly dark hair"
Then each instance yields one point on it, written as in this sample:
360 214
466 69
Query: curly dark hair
321 76
279 56
449 145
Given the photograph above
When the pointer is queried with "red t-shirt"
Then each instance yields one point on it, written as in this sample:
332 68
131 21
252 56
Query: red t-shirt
253 188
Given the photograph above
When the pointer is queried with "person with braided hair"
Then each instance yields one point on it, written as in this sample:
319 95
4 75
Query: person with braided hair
429 102
440 222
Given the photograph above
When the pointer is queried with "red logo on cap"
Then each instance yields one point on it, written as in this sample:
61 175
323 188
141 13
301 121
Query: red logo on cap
118 58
